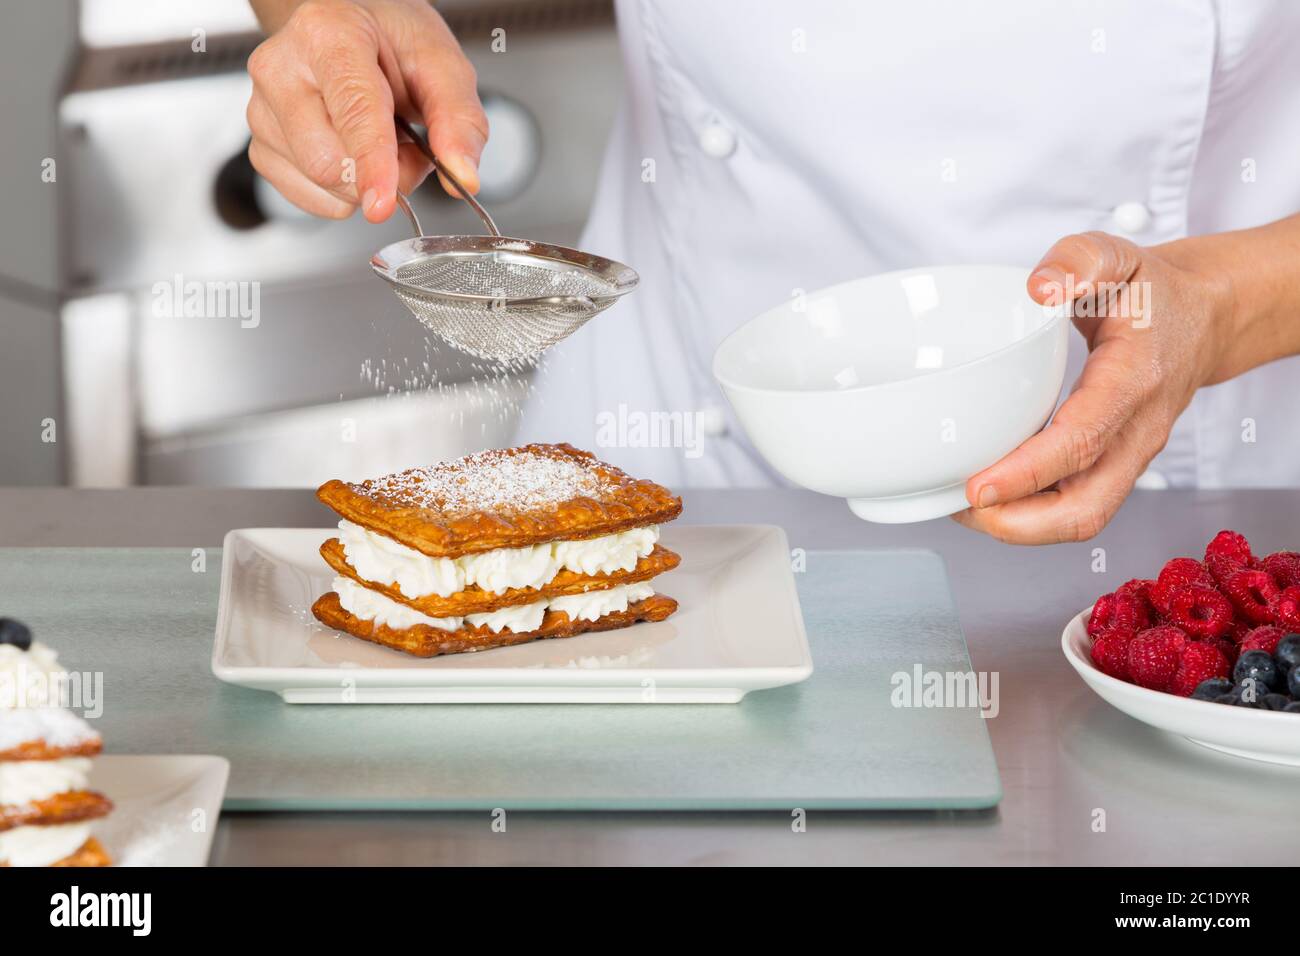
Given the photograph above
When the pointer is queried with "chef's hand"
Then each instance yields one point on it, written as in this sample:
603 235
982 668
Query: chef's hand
326 85
1158 322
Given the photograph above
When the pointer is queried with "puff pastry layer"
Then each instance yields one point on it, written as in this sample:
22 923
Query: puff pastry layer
61 808
40 750
425 641
508 498
92 853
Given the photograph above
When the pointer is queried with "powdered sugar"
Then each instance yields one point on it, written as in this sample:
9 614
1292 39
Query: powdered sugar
146 842
492 481
50 725
512 245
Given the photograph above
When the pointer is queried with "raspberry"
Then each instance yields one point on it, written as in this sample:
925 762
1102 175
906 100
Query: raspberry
1139 591
1183 571
1137 587
1285 608
1119 610
1285 568
1110 652
1161 594
1126 608
1252 592
1222 567
1226 647
1230 545
1200 660
1132 612
1262 639
1178 573
1201 611
1153 656
1102 612
1239 631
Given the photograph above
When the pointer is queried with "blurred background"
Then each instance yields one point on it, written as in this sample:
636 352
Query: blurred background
124 183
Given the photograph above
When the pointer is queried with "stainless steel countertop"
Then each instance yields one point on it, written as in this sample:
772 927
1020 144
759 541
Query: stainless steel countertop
1062 752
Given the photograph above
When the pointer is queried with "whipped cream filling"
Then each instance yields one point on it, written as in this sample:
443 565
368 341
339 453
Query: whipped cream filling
385 561
42 845
520 618
27 676
594 605
26 781
49 725
372 606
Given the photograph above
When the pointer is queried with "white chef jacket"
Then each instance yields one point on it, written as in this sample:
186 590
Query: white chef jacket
769 147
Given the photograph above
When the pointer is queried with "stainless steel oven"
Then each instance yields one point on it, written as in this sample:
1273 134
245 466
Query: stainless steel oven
155 205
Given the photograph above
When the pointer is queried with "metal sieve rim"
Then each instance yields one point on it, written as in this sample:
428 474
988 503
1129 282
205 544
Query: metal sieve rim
621 279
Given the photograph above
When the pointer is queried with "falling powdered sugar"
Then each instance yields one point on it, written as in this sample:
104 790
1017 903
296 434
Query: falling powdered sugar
492 481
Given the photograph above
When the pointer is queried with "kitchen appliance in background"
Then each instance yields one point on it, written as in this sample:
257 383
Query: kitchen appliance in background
213 334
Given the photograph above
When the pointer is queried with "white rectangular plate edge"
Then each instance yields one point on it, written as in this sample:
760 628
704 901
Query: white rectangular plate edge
166 806
706 576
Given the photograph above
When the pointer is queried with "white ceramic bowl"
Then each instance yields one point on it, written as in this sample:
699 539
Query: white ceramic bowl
1244 732
891 391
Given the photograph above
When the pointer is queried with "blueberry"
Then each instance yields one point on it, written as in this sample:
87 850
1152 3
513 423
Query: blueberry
16 633
1258 665
1275 701
1249 692
1212 687
1292 708
1293 682
1229 698
1287 652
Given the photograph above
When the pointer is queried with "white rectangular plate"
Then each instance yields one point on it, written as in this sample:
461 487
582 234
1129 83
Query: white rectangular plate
738 628
165 808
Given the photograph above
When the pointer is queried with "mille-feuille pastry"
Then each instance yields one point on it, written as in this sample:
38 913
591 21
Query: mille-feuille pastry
497 548
46 806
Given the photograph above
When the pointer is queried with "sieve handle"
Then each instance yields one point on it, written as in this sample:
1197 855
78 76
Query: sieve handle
423 146
410 214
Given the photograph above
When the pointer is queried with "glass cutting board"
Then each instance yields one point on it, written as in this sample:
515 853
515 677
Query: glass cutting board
881 626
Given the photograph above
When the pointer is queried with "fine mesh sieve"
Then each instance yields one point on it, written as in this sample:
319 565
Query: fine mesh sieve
500 299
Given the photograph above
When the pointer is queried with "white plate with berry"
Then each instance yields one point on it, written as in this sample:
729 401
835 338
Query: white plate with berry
1208 649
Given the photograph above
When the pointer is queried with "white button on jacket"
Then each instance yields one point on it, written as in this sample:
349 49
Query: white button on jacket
717 140
858 138
1130 218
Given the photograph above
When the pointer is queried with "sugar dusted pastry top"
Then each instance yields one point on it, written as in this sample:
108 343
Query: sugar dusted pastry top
494 480
505 498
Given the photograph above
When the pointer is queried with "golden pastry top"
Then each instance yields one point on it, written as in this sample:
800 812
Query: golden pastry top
502 498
